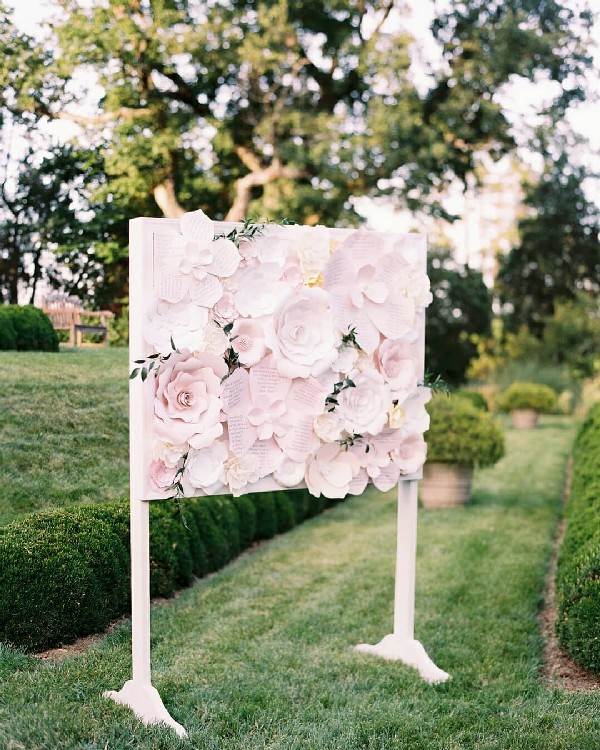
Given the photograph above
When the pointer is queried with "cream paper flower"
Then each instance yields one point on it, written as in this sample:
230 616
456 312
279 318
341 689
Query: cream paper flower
364 407
225 310
214 340
239 471
168 453
328 427
330 471
187 403
290 473
302 336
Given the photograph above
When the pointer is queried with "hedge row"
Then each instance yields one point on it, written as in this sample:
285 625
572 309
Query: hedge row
578 578
26 328
66 573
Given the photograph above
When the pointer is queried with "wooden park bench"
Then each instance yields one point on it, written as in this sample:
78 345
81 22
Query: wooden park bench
67 314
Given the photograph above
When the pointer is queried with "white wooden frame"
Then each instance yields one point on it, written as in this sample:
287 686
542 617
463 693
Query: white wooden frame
138 693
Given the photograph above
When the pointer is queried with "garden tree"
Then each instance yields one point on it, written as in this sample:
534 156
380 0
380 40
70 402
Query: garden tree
39 212
558 255
283 108
461 309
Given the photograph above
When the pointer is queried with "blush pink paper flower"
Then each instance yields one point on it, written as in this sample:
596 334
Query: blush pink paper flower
187 404
330 471
397 362
410 455
161 476
364 407
248 341
302 336
203 253
204 467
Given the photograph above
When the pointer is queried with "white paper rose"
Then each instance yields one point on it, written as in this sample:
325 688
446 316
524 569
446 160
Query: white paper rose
183 322
187 403
204 467
248 341
301 335
290 473
396 361
364 407
330 471
260 290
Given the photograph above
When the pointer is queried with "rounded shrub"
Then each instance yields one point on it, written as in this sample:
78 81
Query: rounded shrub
8 335
533 396
246 519
284 512
461 434
33 330
475 398
266 520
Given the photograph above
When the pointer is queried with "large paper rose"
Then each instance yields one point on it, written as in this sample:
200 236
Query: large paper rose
187 404
302 335
330 471
410 455
364 407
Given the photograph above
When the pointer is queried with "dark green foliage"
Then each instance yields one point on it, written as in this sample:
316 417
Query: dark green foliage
247 519
66 573
60 577
26 328
461 308
8 335
461 434
578 577
558 256
285 512
475 398
266 520
314 505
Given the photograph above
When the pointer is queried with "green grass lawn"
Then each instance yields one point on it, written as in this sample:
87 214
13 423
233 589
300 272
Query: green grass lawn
63 429
260 655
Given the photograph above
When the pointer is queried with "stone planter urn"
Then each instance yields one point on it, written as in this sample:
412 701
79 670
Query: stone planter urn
524 419
445 485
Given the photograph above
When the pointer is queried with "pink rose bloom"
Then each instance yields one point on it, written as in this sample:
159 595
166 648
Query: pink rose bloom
248 341
187 403
161 476
330 471
225 310
302 336
364 408
396 361
410 454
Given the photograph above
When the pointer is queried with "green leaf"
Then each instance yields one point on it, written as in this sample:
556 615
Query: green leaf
134 373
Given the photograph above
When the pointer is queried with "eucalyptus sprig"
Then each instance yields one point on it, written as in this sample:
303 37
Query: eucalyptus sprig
177 489
152 362
331 400
350 441
349 339
435 384
250 230
231 357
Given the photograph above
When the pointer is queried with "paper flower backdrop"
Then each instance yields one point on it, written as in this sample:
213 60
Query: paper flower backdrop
286 357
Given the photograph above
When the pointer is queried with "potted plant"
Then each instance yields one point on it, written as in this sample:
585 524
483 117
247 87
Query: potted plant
525 401
459 438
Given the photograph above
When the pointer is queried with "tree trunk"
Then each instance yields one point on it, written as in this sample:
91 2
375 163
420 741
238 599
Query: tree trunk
166 199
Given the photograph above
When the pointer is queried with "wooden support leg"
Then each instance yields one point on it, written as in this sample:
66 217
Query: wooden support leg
401 644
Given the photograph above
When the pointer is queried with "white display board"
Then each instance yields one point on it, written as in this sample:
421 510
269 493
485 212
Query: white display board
270 357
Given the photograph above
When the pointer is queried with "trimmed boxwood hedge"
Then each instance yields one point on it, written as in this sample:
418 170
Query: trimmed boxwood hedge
26 328
578 576
66 573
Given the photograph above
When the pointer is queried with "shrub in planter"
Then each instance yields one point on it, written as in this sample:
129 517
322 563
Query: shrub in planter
459 438
475 398
526 400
